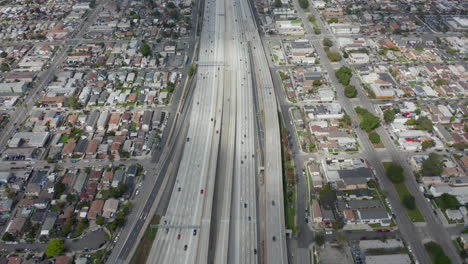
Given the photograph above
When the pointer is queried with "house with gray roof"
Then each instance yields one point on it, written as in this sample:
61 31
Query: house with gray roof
374 216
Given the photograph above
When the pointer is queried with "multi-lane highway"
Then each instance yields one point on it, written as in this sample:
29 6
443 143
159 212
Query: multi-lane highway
183 235
222 140
243 232
235 237
274 236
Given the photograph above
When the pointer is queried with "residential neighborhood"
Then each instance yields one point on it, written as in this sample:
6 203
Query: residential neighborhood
269 131
86 89
404 76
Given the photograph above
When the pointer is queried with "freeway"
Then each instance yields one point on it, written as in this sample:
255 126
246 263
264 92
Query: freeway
274 236
224 102
243 246
153 194
150 194
183 235
235 236
222 210
305 235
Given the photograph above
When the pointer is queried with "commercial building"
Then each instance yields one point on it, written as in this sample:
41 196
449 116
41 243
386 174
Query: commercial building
389 259
338 28
365 245
324 111
13 88
29 140
289 27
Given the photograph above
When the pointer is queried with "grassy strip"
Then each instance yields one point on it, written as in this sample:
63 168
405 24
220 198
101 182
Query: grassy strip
144 247
414 214
290 209
436 253
376 145
289 184
402 191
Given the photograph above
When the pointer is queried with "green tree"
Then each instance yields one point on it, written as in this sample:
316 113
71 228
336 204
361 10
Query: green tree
333 56
66 229
424 123
319 239
460 145
100 220
368 121
448 201
428 144
317 83
451 51
394 172
311 146
59 188
344 75
389 115
332 20
191 70
410 122
11 193
118 191
311 18
283 75
4 67
71 197
440 82
8 237
346 119
374 137
304 4
277 3
327 42
145 49
72 102
409 202
80 228
98 257
118 222
54 248
433 165
383 52
350 91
